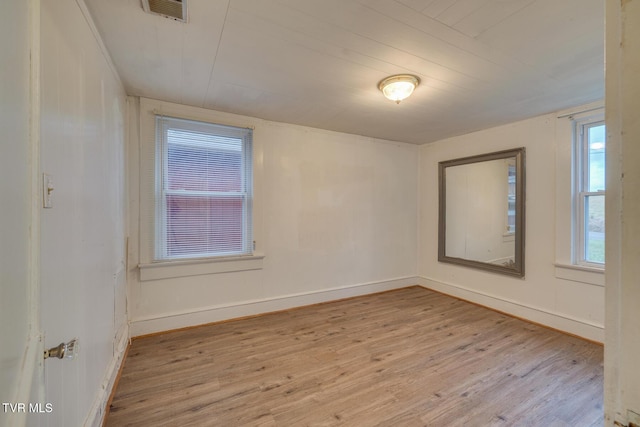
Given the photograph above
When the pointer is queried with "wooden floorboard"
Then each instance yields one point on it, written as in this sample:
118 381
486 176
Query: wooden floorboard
410 357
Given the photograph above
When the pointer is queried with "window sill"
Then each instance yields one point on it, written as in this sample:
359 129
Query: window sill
509 237
580 273
197 267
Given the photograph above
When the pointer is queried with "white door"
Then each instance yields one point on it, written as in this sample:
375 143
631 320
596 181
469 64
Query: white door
21 380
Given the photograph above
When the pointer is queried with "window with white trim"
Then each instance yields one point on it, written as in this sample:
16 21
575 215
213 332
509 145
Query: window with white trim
590 186
203 199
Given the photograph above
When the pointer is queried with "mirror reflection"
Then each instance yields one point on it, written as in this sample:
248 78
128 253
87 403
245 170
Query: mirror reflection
481 211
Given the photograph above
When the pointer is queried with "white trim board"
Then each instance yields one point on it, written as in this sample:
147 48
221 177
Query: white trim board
171 321
561 322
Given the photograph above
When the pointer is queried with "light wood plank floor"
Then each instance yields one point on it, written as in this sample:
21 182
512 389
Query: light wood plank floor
409 357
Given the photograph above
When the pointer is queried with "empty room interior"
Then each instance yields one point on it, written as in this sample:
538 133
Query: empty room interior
299 212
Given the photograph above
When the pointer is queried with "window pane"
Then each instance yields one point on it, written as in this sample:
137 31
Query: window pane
596 149
594 229
204 225
202 167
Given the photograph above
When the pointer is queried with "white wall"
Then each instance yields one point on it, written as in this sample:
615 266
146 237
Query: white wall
16 327
542 296
622 345
336 215
83 236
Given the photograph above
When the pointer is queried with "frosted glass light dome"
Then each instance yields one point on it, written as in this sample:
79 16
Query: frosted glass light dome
398 87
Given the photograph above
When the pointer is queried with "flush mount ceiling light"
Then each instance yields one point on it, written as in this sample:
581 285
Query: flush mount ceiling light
398 87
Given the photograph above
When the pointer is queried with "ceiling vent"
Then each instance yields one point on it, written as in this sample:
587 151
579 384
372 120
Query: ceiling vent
172 9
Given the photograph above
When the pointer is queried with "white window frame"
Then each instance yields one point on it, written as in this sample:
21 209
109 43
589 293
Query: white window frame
143 168
565 263
163 125
580 191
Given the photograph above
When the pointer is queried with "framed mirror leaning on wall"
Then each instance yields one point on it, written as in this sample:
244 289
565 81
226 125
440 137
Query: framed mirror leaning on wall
481 211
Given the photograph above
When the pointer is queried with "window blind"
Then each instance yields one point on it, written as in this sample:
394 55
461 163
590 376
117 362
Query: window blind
203 189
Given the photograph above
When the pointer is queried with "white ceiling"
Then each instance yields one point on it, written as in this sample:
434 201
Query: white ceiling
317 62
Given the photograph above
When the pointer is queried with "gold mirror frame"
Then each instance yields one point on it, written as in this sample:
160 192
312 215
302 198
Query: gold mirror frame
517 269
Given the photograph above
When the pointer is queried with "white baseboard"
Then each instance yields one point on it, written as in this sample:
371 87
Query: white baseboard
167 322
579 327
96 415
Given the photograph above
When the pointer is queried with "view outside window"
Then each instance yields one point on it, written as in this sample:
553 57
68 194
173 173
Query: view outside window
593 192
